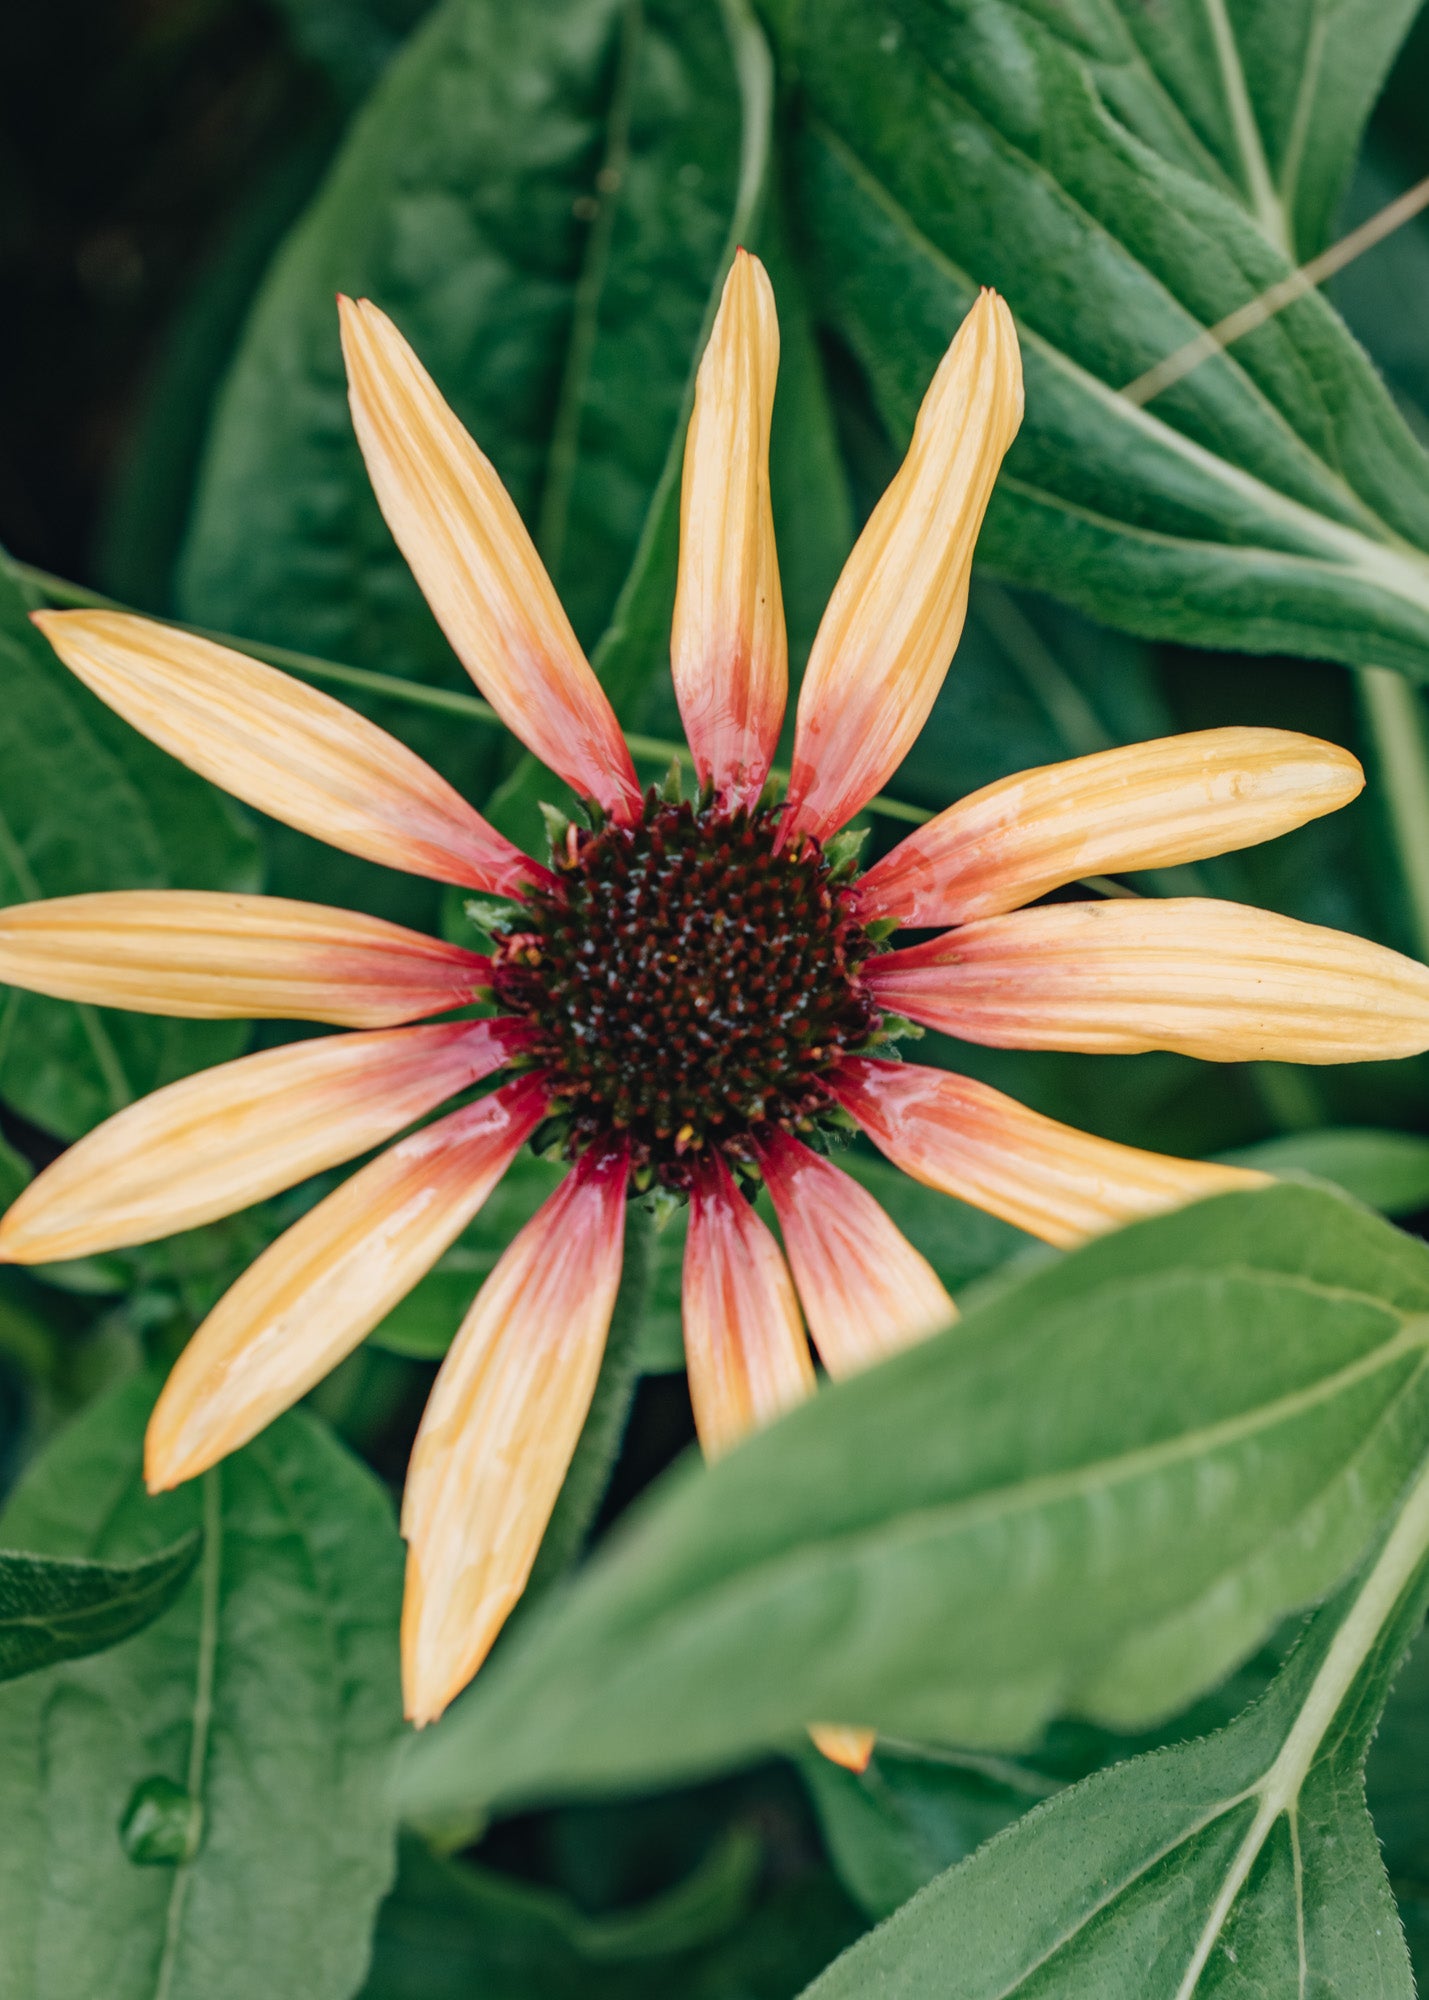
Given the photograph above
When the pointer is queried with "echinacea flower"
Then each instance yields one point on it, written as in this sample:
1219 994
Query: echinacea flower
696 992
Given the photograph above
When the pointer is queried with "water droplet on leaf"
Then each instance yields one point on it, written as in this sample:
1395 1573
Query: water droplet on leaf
162 1824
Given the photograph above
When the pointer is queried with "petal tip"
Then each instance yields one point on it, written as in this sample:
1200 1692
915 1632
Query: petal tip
844 1744
13 1247
161 1475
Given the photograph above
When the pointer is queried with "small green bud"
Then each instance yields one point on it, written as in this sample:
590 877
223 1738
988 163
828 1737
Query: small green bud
495 915
662 1204
548 1141
558 825
843 850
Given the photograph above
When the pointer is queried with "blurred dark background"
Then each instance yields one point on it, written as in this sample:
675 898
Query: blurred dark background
151 155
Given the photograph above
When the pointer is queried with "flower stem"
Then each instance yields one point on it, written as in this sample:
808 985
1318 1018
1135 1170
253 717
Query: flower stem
1394 717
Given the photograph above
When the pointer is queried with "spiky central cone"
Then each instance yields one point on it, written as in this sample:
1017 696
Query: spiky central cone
689 985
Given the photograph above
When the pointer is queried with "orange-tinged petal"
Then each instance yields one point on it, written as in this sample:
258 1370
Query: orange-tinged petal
728 650
865 1290
500 1427
215 1142
286 748
322 1287
744 1341
478 568
843 1743
1150 805
896 614
213 956
984 1148
1216 980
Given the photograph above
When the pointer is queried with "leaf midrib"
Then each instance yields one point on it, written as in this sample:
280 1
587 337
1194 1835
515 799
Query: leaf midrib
1265 206
1283 1782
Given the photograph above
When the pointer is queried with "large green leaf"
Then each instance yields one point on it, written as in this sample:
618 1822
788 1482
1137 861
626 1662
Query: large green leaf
1094 1495
243 1740
1387 1170
1266 98
86 803
1384 296
1243 1864
1397 1785
918 1808
52 1610
541 197
1271 501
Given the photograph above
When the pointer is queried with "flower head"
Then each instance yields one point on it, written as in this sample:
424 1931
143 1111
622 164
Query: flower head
693 994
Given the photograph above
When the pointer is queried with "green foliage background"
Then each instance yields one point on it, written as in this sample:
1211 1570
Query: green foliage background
1063 1556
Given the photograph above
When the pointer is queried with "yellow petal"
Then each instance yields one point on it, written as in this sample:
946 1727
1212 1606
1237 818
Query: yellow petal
469 550
744 1341
844 1744
215 1142
728 649
286 748
864 1288
1215 980
322 1287
896 614
1150 805
499 1430
972 1142
215 956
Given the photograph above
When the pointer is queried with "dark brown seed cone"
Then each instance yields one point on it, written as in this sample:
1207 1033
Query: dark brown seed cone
689 984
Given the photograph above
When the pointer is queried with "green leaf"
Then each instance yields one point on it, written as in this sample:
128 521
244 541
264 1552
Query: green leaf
1265 98
541 197
1386 1170
1244 1863
87 804
1384 296
1272 500
476 1931
451 1931
257 1718
1094 1495
900 1822
920 1807
1397 1784
52 1610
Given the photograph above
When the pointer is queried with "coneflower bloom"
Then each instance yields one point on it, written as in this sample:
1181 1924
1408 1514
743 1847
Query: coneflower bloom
696 993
